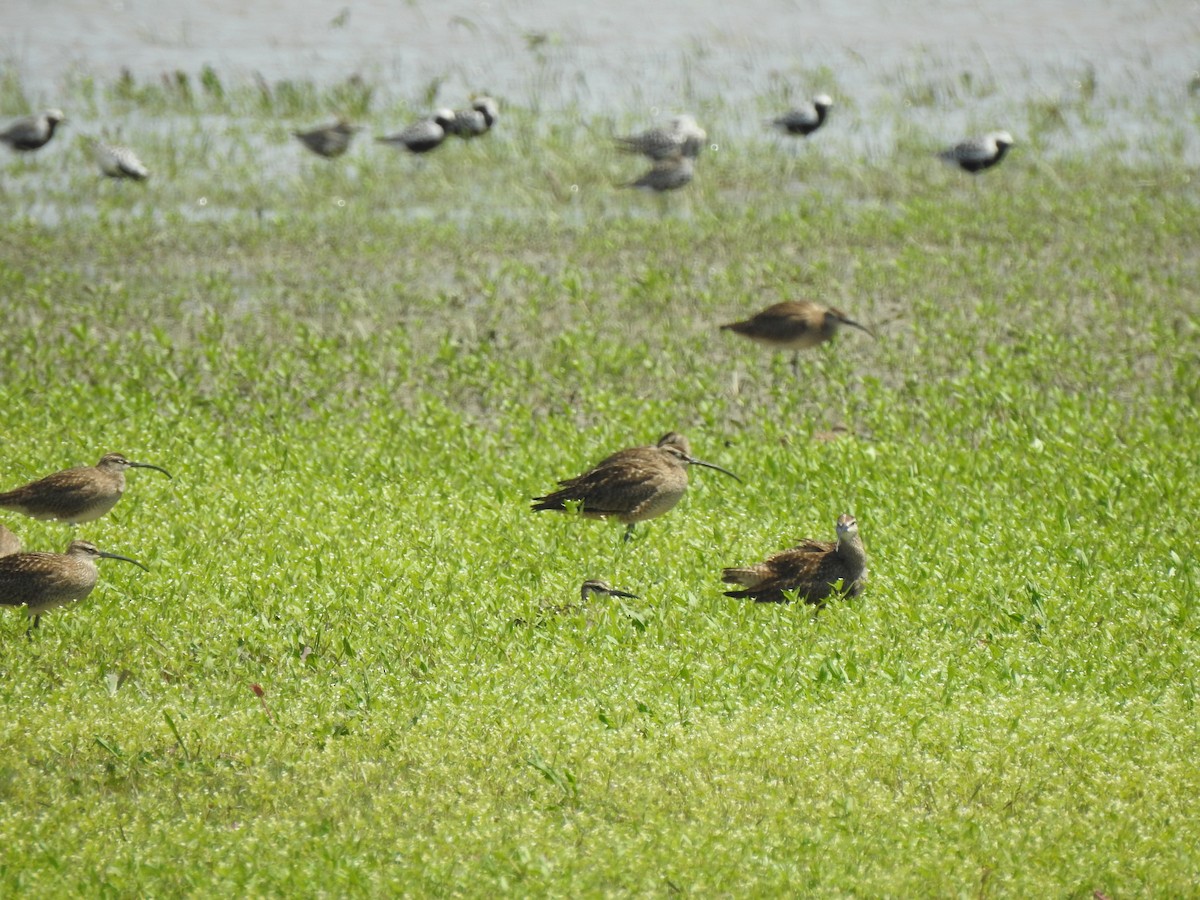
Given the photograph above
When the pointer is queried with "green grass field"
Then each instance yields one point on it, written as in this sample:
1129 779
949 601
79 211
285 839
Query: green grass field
360 372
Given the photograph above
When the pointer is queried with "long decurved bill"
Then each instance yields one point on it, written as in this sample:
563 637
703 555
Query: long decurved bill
106 555
853 324
699 462
134 465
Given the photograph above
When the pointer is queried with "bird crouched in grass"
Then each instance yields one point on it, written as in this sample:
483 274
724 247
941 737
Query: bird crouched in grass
118 162
811 569
668 174
631 485
43 581
683 137
976 154
329 141
32 132
75 495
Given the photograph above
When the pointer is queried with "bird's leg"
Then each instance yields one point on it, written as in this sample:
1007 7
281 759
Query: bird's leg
628 533
796 364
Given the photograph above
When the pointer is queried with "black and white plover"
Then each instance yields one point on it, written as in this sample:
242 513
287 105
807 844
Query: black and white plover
667 174
977 154
681 137
804 120
32 132
118 162
422 136
329 141
475 121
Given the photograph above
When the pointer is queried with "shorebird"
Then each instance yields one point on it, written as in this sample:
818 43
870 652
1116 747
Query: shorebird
118 162
42 581
682 137
976 154
75 495
804 120
631 485
329 141
9 542
597 586
668 174
475 121
794 325
812 569
422 136
32 132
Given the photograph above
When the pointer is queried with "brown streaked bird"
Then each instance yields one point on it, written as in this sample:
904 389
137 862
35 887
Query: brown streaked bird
794 325
9 542
329 141
811 569
75 495
631 485
669 174
599 586
42 581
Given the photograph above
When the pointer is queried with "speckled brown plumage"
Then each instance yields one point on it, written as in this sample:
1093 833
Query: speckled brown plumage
329 141
9 542
793 325
631 485
75 495
43 581
810 569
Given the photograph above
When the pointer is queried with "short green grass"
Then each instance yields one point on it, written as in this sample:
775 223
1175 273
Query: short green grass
360 372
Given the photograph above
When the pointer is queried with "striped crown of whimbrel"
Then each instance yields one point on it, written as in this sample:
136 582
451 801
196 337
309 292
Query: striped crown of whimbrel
811 569
422 136
598 586
475 121
32 132
804 120
42 581
668 174
683 137
75 495
794 325
329 141
631 485
976 154
9 542
118 162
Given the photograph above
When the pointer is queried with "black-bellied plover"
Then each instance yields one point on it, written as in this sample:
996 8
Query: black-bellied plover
116 161
977 154
32 132
422 136
667 174
42 581
681 137
630 485
811 569
329 141
475 121
804 120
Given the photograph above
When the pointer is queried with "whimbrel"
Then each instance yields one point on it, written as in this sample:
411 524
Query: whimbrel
811 569
804 120
976 154
75 495
668 174
32 132
118 162
475 121
597 586
329 141
631 485
9 542
422 136
682 137
794 325
42 581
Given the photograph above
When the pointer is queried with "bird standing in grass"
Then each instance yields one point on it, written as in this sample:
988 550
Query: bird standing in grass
812 569
804 120
668 174
423 136
976 154
75 495
631 485
42 581
794 325
116 161
329 141
475 121
32 132
682 137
